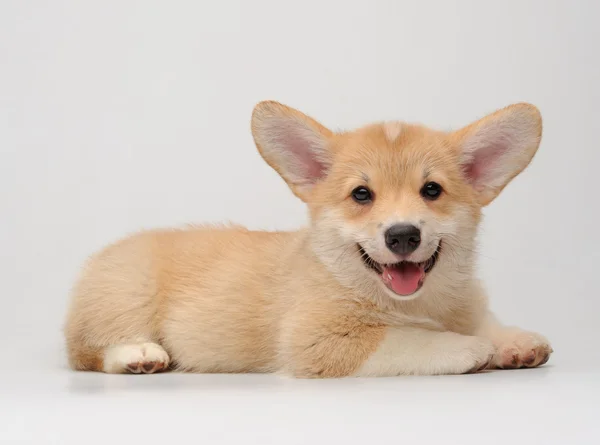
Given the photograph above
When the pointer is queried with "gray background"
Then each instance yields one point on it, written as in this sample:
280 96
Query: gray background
122 115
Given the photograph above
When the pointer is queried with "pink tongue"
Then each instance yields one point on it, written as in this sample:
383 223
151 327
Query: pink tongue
403 279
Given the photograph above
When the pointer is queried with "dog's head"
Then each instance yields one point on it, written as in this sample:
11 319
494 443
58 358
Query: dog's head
395 207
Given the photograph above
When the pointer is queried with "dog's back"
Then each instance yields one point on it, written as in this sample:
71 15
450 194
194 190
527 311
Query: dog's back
203 293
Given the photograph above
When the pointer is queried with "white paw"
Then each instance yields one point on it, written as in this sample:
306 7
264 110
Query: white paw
521 349
463 355
144 358
475 355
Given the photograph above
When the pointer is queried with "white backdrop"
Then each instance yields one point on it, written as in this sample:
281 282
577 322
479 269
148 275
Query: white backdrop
122 115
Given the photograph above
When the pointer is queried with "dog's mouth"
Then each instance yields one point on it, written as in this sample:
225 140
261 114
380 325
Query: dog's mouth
403 278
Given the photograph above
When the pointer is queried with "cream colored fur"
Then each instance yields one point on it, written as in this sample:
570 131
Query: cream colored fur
225 299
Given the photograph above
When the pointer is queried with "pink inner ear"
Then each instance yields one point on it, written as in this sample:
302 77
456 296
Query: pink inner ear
312 168
304 158
485 160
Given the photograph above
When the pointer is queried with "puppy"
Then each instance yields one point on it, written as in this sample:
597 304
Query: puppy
381 282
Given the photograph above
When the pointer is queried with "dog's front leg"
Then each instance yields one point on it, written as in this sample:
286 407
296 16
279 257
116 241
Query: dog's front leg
349 348
417 351
515 348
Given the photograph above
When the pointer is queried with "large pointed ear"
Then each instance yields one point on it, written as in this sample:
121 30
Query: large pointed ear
498 147
295 145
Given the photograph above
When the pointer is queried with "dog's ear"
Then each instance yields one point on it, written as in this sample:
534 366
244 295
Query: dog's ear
295 145
498 147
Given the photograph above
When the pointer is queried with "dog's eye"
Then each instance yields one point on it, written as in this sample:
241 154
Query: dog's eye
431 190
362 195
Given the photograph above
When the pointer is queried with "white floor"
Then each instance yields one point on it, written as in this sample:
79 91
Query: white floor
555 404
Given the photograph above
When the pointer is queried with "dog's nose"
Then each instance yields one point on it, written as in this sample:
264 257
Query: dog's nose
403 239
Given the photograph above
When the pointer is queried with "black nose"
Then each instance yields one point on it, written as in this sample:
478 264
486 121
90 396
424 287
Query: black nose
403 238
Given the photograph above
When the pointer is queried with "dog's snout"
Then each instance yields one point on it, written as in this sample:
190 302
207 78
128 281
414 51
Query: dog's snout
403 239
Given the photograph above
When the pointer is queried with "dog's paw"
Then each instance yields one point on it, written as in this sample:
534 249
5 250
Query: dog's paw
476 355
463 355
143 358
521 349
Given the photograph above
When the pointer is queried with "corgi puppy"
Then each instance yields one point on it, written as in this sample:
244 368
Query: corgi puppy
380 283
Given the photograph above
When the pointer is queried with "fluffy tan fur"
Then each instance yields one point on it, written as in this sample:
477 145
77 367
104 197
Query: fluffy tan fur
225 299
